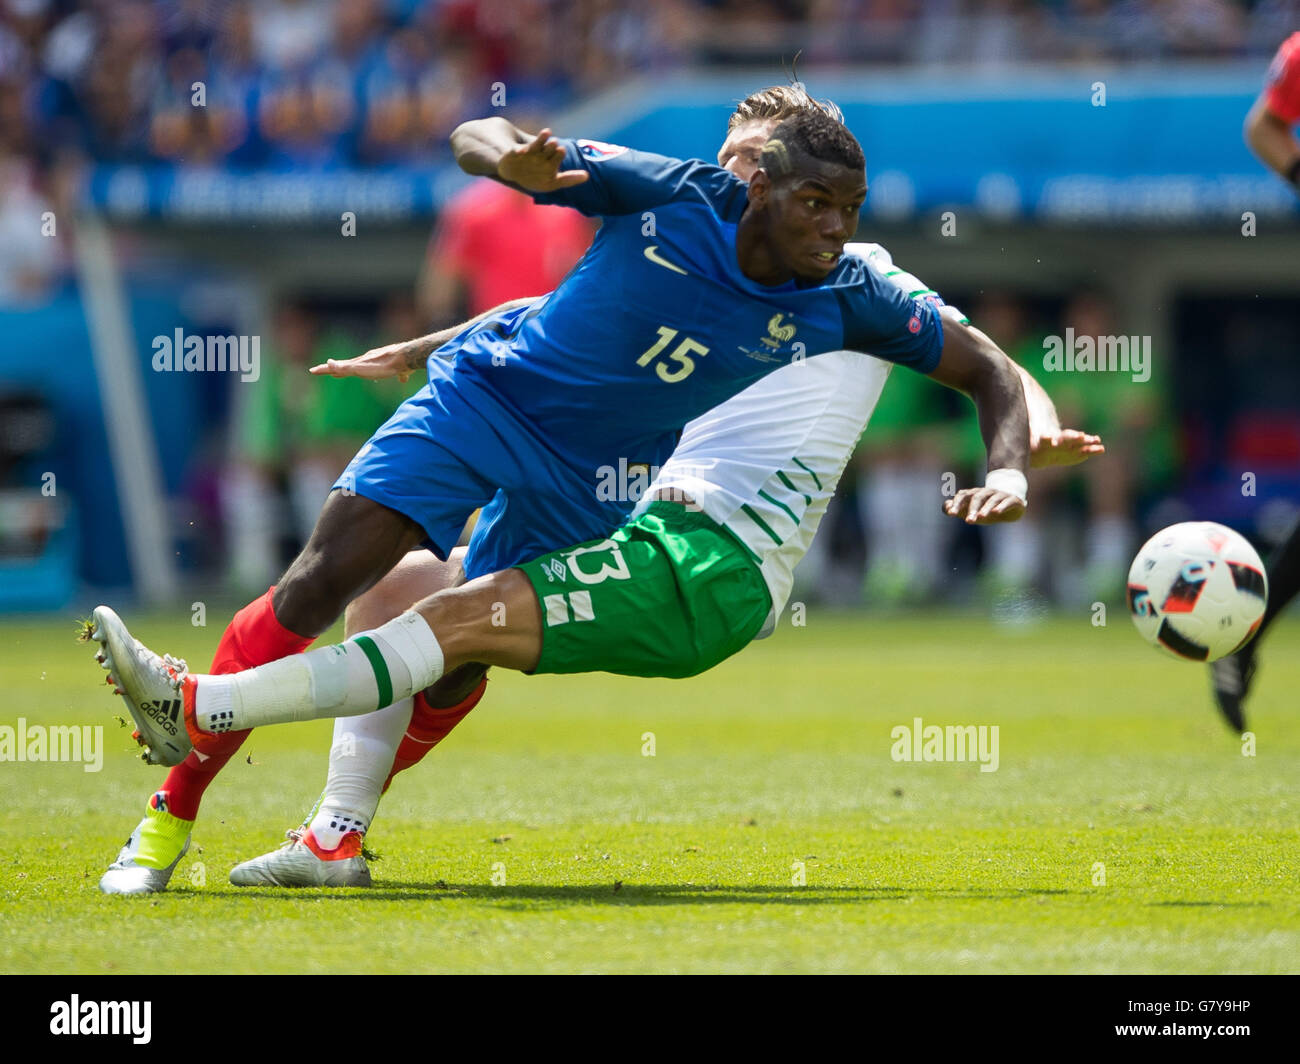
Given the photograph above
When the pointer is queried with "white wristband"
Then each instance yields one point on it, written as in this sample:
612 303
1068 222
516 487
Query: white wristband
1012 481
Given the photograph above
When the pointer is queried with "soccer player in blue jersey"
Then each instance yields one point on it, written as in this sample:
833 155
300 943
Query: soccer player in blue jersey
696 286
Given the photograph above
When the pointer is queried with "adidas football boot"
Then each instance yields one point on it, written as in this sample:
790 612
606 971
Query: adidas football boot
301 862
149 684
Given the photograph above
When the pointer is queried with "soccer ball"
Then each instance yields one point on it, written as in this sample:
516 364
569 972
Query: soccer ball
1197 590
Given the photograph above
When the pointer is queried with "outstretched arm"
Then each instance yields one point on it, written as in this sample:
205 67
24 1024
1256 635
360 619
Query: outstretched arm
973 364
402 359
493 147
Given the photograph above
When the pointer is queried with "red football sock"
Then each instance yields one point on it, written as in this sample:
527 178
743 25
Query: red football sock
429 726
254 637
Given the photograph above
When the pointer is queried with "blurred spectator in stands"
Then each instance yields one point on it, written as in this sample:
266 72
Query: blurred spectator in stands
289 34
305 117
846 31
1094 29
316 56
30 240
1131 417
905 451
493 244
191 123
1202 28
1270 22
356 50
119 82
995 33
413 98
1014 553
295 433
1005 32
345 82
536 78
619 38
1137 32
235 82
202 110
15 130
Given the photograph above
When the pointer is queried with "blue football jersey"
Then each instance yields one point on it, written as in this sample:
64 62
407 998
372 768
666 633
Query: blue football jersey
657 323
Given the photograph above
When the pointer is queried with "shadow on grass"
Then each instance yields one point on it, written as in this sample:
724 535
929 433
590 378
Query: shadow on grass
536 897
1213 904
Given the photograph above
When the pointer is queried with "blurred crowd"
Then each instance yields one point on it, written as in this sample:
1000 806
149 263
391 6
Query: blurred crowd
319 83
292 435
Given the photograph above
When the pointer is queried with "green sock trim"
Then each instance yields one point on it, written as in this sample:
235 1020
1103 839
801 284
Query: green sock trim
162 837
377 662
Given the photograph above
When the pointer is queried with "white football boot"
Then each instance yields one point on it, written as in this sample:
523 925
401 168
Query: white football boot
126 876
150 686
299 863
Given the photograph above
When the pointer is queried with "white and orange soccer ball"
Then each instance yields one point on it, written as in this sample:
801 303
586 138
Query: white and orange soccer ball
1197 590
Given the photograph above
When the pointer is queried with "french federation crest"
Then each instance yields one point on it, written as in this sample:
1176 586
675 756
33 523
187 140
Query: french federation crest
778 331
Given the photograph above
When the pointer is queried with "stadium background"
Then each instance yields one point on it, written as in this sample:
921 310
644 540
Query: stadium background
1044 165
772 828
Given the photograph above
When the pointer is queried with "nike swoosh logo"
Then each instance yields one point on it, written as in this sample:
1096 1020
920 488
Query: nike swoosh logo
651 253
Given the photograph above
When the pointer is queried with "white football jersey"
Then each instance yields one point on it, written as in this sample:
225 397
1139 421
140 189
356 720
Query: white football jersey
766 462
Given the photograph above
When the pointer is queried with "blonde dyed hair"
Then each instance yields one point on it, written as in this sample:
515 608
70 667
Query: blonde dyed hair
780 102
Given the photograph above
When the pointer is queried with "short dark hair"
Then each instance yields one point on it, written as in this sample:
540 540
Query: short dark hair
809 135
779 102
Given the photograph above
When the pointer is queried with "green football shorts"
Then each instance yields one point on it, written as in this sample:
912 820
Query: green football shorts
670 593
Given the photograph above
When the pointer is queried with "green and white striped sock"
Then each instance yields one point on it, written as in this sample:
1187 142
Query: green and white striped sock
364 673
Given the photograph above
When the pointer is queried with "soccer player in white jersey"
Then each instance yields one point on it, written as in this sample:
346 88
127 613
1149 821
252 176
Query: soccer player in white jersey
759 470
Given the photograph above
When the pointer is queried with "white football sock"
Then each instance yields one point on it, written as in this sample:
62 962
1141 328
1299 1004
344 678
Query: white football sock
371 670
361 758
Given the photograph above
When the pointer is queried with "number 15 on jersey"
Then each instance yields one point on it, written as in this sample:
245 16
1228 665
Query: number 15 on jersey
680 357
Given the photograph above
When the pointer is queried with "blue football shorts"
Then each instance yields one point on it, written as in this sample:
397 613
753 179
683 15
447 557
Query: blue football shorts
456 446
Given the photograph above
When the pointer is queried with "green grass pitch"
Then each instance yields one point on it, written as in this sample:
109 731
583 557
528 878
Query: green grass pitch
1124 830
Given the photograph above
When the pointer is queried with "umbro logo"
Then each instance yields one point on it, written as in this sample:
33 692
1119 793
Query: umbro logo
652 253
555 570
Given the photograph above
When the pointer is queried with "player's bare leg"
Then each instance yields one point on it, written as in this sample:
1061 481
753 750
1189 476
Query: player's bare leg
355 542
494 620
368 751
